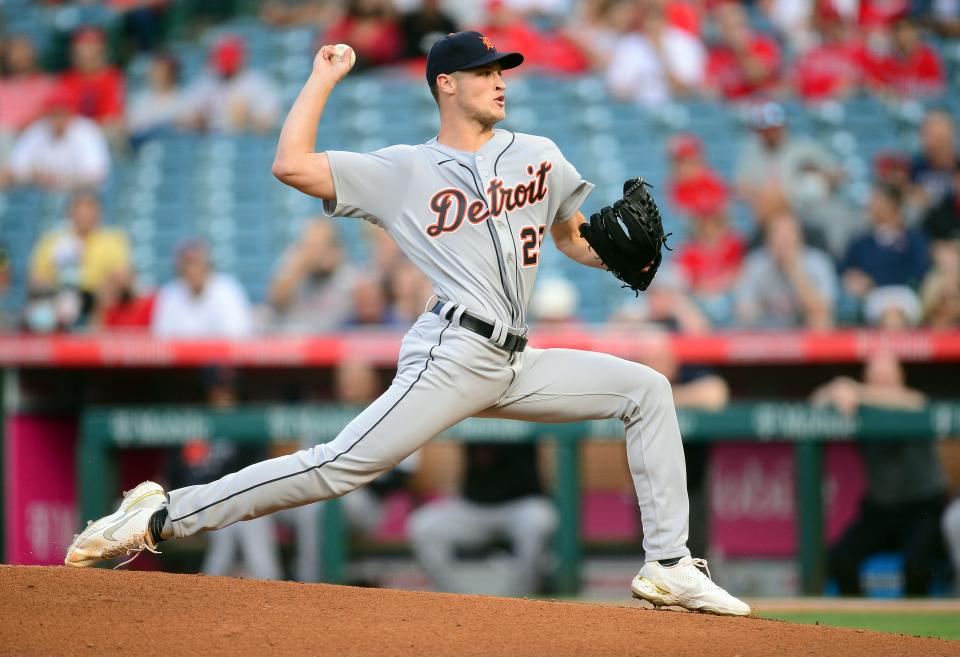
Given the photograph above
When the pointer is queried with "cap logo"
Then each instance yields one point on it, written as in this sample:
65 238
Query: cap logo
488 43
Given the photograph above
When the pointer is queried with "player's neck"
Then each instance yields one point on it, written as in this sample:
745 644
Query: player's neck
463 134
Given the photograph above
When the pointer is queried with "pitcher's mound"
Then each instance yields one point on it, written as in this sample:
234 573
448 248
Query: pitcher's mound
61 611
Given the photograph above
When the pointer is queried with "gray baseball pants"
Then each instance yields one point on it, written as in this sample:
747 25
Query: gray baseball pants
446 374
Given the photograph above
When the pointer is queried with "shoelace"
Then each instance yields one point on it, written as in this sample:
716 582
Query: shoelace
137 550
702 565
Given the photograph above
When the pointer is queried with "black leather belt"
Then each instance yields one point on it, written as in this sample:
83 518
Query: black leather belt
512 343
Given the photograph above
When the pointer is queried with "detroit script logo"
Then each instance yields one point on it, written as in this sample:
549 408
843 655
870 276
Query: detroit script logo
451 207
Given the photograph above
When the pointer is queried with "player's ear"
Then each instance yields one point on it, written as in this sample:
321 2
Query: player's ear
446 84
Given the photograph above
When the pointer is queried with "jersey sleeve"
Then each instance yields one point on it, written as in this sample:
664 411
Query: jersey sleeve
573 190
370 186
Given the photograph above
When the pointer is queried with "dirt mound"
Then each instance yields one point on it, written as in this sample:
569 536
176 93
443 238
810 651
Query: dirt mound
61 611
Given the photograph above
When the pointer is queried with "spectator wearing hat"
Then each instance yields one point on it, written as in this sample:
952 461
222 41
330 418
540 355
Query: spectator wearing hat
160 106
95 88
657 63
61 151
912 68
889 253
693 185
24 90
709 260
78 259
935 166
892 308
801 171
230 97
742 63
554 303
371 29
830 69
201 303
785 283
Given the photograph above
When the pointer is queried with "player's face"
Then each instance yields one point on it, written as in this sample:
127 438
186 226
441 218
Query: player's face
481 94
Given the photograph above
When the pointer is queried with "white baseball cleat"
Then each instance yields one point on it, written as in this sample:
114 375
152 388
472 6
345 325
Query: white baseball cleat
685 585
124 532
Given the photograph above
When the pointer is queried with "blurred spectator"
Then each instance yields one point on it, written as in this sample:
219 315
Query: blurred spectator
422 26
911 68
208 458
666 304
889 253
657 63
540 9
793 19
772 161
310 291
741 63
78 259
709 260
551 52
142 21
554 303
120 305
893 168
356 384
951 533
892 308
940 292
906 485
371 28
60 152
159 106
292 13
230 97
938 161
693 186
9 319
942 221
501 498
876 13
201 303
700 389
95 88
830 68
943 17
370 305
409 291
786 283
24 90
598 26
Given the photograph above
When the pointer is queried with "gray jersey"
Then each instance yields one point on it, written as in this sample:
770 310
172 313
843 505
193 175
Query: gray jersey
435 202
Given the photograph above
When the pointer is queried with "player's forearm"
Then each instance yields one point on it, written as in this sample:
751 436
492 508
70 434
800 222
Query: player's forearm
298 137
566 235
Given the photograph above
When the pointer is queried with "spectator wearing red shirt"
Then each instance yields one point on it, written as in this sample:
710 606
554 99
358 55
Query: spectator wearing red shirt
742 64
694 187
709 260
24 90
119 305
510 31
912 68
831 68
372 30
95 87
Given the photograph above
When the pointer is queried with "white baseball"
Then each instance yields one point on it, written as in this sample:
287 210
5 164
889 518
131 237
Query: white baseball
338 51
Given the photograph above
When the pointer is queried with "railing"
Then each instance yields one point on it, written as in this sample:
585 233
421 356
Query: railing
105 429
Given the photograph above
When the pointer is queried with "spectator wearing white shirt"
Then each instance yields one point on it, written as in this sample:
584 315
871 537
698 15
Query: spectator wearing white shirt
160 106
61 151
232 98
656 64
201 303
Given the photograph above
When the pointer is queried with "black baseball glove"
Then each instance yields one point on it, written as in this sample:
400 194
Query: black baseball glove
628 236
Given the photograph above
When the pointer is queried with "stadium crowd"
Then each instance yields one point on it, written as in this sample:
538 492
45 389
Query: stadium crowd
809 257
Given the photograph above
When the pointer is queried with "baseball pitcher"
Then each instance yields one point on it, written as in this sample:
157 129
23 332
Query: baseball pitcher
470 208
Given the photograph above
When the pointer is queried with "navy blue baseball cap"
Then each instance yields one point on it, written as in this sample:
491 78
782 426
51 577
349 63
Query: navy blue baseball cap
461 51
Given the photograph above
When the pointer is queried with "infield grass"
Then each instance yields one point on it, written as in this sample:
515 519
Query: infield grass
937 624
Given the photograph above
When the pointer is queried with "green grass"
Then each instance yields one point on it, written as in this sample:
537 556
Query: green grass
939 624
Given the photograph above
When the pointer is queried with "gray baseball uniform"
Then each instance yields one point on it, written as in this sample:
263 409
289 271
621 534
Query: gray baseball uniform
473 222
